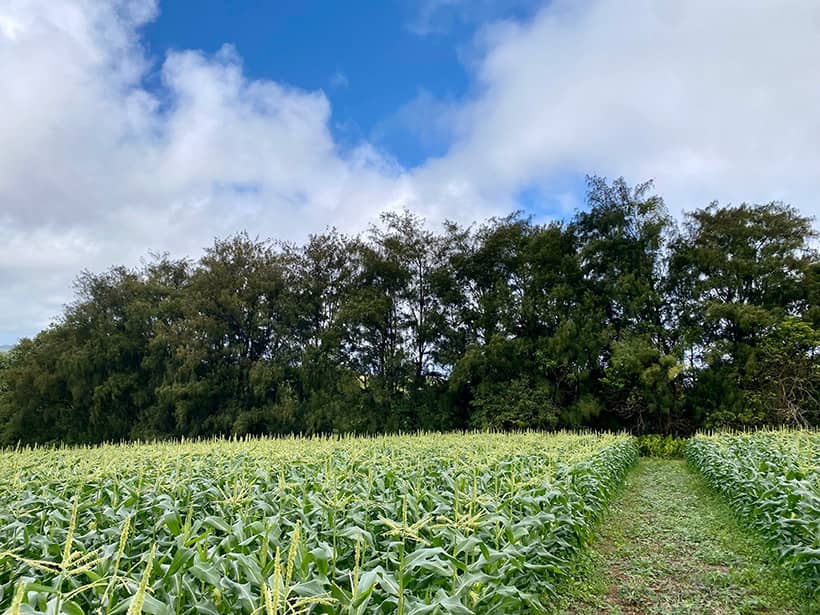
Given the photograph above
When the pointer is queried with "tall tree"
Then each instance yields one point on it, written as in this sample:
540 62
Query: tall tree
373 336
417 254
738 271
88 378
785 374
621 255
482 302
322 275
612 320
234 344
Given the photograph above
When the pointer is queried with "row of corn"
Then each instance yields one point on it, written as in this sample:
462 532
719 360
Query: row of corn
772 479
477 523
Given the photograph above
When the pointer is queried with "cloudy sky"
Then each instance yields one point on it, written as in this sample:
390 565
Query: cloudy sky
130 126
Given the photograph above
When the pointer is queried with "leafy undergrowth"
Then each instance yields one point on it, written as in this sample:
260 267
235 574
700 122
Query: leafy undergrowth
667 447
670 545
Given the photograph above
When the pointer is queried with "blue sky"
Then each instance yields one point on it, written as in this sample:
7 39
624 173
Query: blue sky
138 126
370 58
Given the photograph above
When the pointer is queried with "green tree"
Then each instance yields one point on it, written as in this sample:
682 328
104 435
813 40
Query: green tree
785 374
634 356
234 347
612 320
372 341
737 272
417 254
322 276
482 289
517 404
90 377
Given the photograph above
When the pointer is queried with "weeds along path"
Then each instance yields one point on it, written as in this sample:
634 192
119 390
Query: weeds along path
670 545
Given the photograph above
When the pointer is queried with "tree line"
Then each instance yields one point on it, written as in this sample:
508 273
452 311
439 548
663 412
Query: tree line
619 318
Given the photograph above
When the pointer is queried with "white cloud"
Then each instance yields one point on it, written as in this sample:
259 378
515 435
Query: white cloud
96 170
713 100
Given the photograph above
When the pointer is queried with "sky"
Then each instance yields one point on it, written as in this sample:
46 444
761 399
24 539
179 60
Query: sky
135 126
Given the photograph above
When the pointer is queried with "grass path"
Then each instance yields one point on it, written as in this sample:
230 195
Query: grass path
670 545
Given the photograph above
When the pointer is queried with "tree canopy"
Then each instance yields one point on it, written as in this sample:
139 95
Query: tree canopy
617 318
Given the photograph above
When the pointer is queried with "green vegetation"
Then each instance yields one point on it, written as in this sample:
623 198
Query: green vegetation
477 523
669 544
431 524
667 447
615 319
771 478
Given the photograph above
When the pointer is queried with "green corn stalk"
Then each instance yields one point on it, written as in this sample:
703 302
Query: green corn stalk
771 479
419 522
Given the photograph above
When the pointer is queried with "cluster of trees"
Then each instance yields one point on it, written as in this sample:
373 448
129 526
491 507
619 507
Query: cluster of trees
617 318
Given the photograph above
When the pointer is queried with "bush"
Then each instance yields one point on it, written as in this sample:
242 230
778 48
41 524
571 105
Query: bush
666 447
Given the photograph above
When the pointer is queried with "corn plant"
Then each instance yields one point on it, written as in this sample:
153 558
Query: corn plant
772 478
476 523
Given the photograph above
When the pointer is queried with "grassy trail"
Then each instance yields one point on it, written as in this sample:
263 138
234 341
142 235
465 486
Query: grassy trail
670 545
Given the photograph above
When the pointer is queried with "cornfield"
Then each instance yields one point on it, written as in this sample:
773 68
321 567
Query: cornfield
772 478
477 523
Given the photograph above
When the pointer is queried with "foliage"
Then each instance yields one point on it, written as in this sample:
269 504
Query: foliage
772 479
738 272
462 524
665 447
786 373
614 319
515 405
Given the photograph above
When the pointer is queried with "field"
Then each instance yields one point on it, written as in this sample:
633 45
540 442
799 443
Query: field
459 524
432 523
772 479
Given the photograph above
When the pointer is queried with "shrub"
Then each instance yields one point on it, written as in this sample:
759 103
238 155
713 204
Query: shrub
667 447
